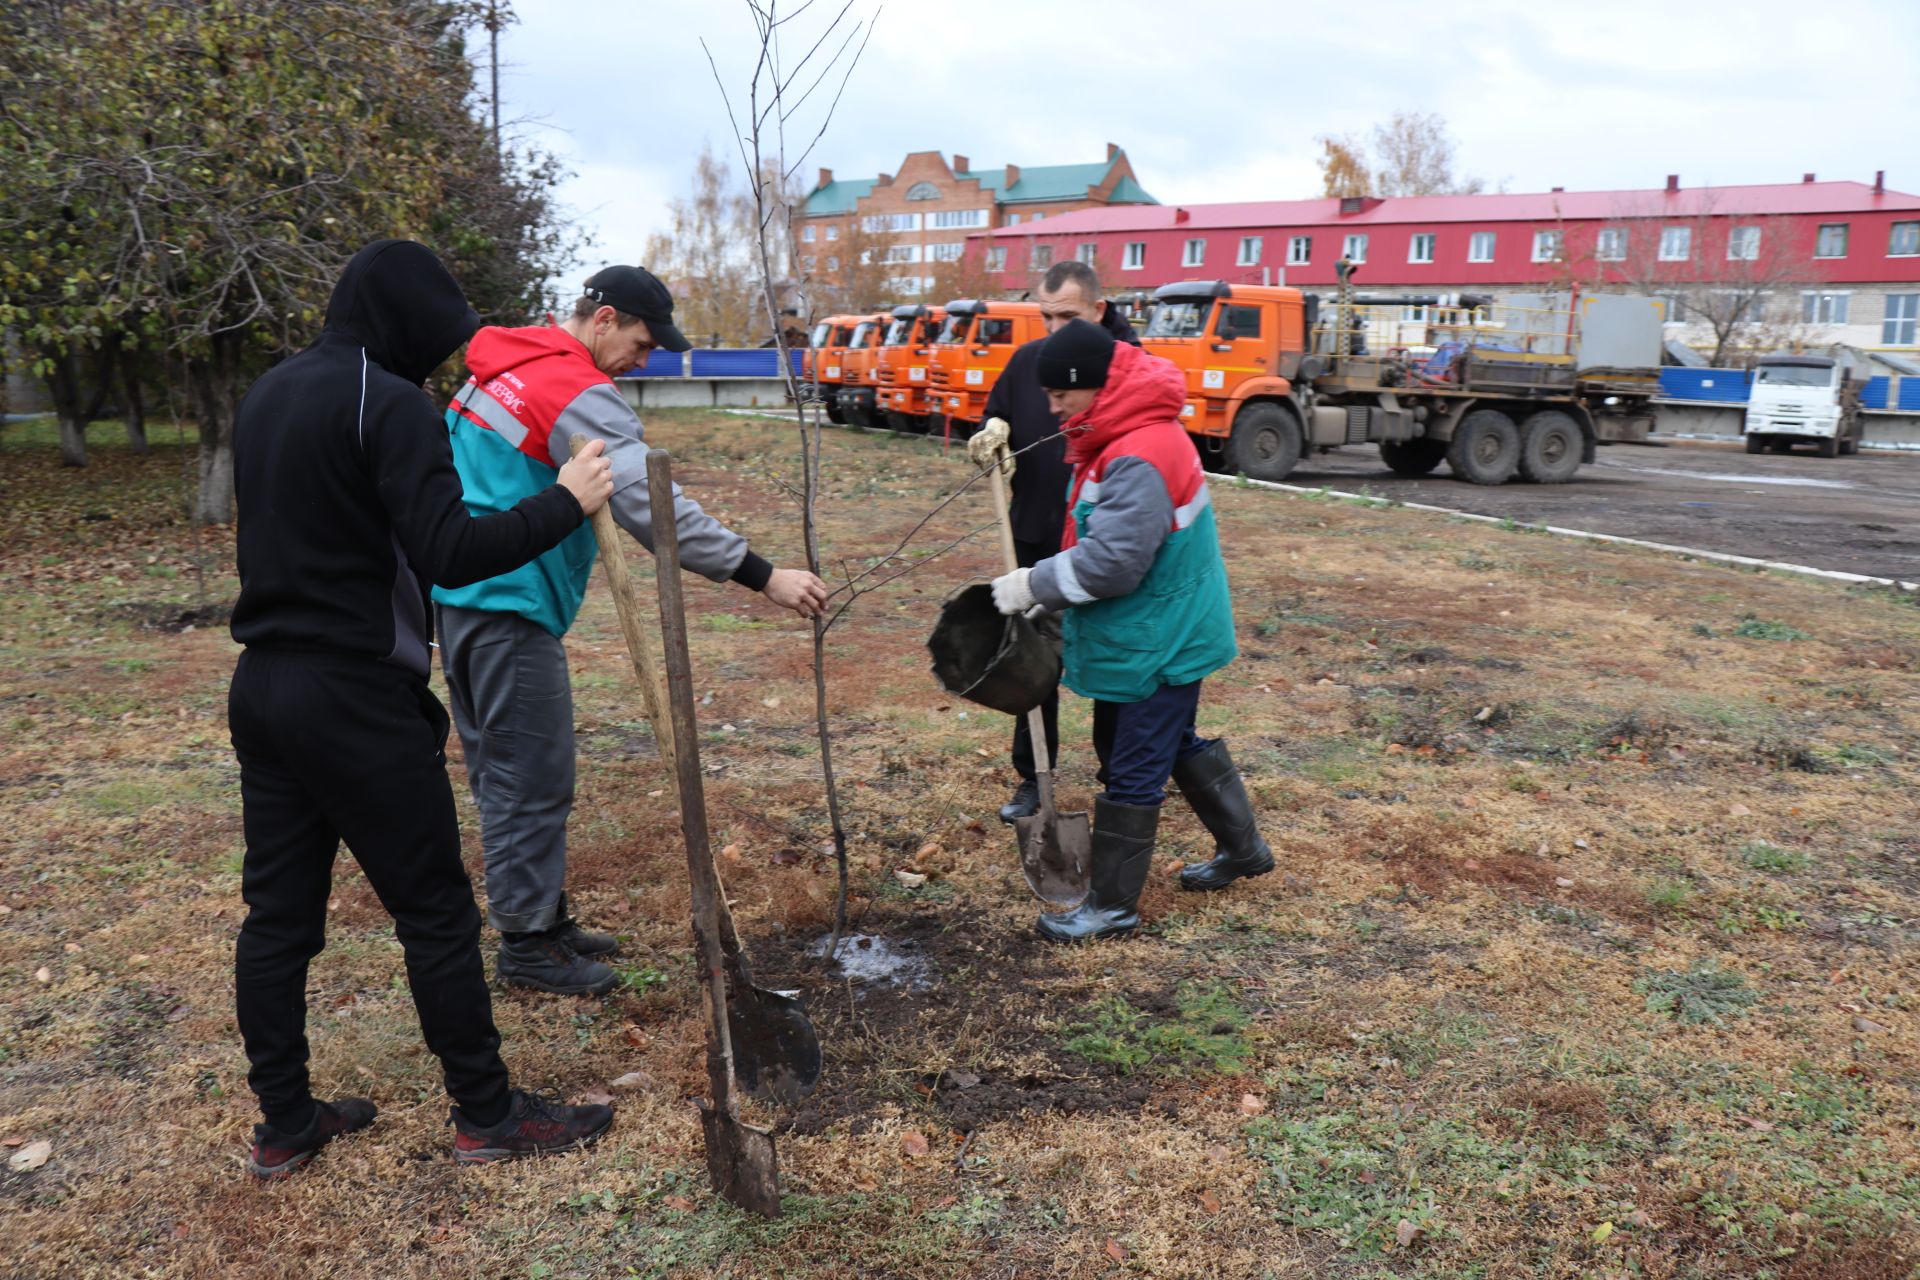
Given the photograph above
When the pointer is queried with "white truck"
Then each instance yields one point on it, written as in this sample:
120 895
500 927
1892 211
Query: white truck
1804 399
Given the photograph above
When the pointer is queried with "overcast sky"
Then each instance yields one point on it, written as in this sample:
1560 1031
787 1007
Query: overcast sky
1215 100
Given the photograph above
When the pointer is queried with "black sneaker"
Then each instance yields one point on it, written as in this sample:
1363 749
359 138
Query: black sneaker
586 942
276 1154
545 962
1025 802
533 1126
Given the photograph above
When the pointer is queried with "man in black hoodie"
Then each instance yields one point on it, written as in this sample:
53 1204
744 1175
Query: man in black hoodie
1018 417
349 511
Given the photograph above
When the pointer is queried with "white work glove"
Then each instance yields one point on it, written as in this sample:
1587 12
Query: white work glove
987 442
1012 593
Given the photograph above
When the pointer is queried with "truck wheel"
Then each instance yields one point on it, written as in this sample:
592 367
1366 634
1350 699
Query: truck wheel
1216 455
1550 447
1266 441
1412 457
1756 444
1849 447
834 415
1485 448
1829 447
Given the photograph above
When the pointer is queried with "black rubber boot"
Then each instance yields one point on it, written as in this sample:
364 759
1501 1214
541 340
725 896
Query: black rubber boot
587 942
1219 798
1025 802
1122 857
544 962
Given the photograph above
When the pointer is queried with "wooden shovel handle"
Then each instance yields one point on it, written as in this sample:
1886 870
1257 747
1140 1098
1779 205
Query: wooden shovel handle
1010 556
641 644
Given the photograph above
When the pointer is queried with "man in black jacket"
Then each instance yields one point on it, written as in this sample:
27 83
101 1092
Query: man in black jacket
1017 416
349 511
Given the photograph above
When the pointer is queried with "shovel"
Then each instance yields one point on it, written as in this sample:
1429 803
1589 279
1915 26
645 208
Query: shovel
1056 849
776 1052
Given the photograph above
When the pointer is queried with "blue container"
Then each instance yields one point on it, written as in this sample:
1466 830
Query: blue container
1713 386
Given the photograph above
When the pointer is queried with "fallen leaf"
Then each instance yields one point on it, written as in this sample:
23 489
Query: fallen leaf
1250 1105
73 948
866 1184
769 702
787 857
43 974
910 879
1867 1026
1218 1154
946 1202
181 1231
655 795
1738 811
635 1036
31 1156
598 1096
1404 1233
12 1142
1209 1202
1601 1232
1115 1251
1368 1177
681 1203
926 851
1563 882
634 1080
731 853
1758 1126
914 1143
961 1078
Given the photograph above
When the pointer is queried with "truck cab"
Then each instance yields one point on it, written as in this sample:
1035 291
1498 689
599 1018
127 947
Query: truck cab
972 351
821 363
1803 399
858 399
1239 348
901 365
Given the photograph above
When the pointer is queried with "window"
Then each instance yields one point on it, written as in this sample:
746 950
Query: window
1042 256
1676 307
1356 248
1832 242
1178 320
997 258
1903 318
891 222
1743 244
1416 313
806 233
1611 245
1825 308
1013 219
1676 244
1547 245
923 191
1088 249
901 253
948 252
833 264
1036 217
833 231
1241 322
1904 240
1480 248
1250 250
807 262
993 332
1195 254
1420 248
1136 255
1299 251
947 218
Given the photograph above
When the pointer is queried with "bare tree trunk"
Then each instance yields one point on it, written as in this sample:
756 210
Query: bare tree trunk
212 379
63 387
136 406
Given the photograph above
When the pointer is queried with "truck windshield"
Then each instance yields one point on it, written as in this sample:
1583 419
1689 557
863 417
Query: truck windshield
1795 375
898 332
955 328
1178 320
861 332
821 332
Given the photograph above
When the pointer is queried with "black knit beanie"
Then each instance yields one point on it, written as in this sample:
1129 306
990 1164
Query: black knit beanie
1076 357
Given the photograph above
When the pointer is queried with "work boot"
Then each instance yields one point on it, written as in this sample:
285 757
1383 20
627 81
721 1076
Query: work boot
533 1126
276 1154
1219 798
545 962
1122 856
1025 802
586 942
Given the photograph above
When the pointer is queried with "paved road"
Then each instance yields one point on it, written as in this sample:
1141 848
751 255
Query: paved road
1859 514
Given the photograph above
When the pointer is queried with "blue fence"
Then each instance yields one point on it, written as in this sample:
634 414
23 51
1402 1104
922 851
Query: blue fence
717 362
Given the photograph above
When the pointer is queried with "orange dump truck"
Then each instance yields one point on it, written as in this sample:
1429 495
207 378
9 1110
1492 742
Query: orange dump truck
971 351
858 398
821 364
900 368
1523 386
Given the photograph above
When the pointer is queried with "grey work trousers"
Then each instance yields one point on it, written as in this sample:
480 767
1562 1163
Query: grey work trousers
512 703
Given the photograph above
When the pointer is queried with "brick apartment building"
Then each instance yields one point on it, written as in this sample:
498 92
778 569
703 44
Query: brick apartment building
921 216
1840 258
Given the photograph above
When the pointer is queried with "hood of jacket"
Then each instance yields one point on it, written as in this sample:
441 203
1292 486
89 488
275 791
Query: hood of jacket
1141 390
495 350
399 302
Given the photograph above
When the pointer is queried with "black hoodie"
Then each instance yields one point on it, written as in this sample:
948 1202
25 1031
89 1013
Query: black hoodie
349 506
1040 475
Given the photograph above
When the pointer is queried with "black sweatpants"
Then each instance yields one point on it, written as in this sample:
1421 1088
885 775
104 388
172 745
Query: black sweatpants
1029 554
332 749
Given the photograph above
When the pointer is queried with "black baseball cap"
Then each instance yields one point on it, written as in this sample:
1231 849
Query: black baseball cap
638 292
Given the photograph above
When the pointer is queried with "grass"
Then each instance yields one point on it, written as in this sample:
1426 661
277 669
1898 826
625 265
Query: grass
1566 990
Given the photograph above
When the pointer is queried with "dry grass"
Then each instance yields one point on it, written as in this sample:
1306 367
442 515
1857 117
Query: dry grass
1512 780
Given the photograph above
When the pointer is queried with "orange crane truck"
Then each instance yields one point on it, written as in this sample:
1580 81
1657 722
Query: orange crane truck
1522 386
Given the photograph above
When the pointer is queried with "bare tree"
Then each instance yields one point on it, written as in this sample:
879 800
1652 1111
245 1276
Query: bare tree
1411 154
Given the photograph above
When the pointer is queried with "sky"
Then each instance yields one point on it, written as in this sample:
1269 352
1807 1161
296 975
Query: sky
1220 101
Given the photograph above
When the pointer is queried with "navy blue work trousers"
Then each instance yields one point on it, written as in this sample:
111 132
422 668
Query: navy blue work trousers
1140 742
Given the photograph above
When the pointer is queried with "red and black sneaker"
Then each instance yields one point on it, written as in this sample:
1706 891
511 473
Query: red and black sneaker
276 1154
533 1126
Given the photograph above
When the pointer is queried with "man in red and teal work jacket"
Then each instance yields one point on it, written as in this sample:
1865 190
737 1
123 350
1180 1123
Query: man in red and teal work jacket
533 392
1148 617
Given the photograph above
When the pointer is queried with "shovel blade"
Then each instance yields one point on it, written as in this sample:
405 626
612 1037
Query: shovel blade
740 1162
1056 856
776 1051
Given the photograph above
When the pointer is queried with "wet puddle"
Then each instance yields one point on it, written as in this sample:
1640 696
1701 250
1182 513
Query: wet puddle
874 961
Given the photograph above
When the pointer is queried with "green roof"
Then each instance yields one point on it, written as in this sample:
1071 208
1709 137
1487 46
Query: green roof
838 196
1127 191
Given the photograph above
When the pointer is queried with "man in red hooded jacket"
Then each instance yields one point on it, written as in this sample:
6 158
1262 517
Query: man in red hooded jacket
1148 617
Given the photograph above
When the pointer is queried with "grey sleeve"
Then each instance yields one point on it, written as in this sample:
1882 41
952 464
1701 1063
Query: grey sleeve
1131 518
707 547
